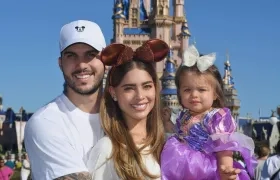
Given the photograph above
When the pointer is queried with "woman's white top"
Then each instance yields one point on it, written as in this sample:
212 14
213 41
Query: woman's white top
102 168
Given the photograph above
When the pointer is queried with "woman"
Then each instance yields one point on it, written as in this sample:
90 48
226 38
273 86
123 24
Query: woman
130 113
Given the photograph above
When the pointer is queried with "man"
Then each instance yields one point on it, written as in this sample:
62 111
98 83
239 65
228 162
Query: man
271 167
59 136
262 152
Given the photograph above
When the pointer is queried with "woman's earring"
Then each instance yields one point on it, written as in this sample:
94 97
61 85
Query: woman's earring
114 98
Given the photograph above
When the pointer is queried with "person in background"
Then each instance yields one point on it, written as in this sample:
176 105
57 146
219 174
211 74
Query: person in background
263 152
168 124
5 171
18 163
271 167
10 163
25 169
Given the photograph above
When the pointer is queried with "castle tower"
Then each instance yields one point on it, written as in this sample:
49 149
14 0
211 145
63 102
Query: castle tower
169 91
232 101
119 21
131 22
136 21
184 37
180 33
161 22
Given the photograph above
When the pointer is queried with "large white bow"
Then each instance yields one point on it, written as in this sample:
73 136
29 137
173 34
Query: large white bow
191 56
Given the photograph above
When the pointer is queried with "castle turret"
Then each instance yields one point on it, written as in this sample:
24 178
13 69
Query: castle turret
178 18
232 101
180 31
119 20
228 79
169 91
184 37
161 24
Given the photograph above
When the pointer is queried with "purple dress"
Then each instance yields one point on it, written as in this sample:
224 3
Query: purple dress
191 154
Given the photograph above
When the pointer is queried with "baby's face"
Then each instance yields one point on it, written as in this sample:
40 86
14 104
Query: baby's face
197 92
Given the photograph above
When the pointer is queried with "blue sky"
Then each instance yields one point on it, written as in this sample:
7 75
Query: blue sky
248 29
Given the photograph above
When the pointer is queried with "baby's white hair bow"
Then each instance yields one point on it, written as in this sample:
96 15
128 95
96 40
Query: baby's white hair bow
191 56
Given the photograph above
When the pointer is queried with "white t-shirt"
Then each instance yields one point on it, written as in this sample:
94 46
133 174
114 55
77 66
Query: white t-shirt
102 168
271 165
58 138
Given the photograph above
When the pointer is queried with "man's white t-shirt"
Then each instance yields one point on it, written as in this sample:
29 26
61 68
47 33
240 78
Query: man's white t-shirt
271 165
58 138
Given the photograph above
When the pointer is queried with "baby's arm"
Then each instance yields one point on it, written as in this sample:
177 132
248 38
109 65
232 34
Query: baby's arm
225 158
222 124
225 165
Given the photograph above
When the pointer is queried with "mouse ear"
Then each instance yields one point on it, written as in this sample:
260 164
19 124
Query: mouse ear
116 54
153 50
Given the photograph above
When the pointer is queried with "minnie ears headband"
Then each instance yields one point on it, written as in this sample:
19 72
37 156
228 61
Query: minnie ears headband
191 56
153 50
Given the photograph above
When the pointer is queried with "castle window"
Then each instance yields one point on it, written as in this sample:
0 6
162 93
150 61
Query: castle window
160 11
135 42
127 42
134 13
134 22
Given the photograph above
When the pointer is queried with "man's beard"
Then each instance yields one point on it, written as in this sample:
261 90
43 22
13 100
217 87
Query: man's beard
71 84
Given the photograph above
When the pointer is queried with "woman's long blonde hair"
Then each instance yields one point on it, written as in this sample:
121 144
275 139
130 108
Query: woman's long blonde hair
125 154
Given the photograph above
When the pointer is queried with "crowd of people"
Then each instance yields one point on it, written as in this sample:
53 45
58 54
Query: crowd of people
120 132
9 165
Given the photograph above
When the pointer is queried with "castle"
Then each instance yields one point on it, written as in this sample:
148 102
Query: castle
136 21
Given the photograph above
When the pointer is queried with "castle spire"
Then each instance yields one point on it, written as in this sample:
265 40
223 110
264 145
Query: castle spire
231 96
185 28
184 35
228 79
119 13
169 91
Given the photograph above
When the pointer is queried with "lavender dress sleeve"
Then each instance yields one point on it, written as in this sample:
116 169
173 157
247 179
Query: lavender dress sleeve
223 136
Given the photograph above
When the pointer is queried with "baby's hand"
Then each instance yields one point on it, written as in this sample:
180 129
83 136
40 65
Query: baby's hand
228 173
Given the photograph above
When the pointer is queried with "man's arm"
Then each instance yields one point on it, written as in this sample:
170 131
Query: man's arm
76 176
